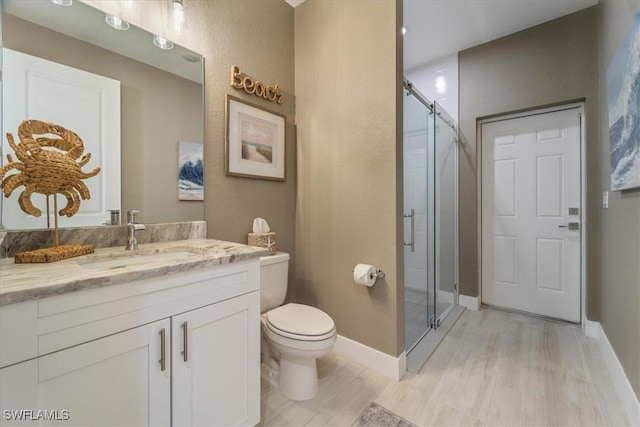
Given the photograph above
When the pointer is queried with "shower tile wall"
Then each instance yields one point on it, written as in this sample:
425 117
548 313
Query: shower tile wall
438 81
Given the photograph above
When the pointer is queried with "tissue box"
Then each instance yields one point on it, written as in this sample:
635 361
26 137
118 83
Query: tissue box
264 240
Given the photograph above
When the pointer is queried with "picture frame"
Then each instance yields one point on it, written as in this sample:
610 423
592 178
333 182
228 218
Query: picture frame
623 94
190 171
255 141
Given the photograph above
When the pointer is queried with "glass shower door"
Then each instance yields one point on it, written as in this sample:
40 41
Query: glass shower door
445 190
419 255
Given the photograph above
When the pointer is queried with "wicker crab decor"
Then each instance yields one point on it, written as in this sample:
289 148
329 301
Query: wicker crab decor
48 166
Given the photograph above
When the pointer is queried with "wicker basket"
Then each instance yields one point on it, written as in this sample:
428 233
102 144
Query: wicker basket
264 240
53 254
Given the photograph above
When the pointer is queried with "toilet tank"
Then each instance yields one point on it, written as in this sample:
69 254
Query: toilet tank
274 275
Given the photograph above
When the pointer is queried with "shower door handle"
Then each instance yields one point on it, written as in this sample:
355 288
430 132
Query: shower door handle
412 243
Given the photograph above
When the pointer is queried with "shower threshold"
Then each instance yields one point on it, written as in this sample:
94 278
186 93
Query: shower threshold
420 353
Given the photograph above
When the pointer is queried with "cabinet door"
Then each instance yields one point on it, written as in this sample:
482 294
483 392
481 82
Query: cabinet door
113 381
216 381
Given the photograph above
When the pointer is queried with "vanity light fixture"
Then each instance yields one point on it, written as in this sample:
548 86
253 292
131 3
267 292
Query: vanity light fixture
404 30
62 2
162 43
117 23
177 19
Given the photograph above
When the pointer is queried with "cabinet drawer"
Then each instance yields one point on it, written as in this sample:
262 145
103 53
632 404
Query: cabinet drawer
63 321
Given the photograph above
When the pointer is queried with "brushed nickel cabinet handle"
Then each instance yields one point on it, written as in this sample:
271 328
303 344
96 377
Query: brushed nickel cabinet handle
163 347
185 342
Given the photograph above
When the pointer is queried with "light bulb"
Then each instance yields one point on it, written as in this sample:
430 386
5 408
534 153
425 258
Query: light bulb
162 43
177 18
117 23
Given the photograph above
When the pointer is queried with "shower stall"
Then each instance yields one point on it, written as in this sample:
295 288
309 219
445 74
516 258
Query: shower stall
430 215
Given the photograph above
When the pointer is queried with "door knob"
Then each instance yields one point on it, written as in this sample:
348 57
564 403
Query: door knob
571 226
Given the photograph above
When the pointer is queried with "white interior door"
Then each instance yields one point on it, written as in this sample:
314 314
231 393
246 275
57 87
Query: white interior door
87 104
531 192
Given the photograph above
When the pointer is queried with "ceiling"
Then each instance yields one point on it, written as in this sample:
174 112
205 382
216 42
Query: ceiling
438 28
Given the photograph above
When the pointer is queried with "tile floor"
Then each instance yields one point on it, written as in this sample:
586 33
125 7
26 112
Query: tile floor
493 369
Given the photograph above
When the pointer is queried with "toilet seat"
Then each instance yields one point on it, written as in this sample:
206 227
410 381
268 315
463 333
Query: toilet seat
296 337
300 322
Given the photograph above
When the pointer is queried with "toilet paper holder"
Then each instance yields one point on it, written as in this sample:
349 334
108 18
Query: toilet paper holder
378 274
366 274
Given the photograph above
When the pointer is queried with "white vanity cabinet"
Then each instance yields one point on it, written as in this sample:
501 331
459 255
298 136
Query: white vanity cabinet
214 377
181 349
111 381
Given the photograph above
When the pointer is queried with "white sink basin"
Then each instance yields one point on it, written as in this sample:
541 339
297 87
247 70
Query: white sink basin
129 258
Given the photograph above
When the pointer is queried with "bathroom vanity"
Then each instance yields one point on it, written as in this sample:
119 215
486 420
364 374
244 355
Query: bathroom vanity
166 335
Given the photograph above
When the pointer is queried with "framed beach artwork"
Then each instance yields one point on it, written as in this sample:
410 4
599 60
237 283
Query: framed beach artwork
623 86
190 171
255 141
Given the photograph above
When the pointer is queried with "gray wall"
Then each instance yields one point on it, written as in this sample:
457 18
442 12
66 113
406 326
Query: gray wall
349 165
619 279
551 63
149 145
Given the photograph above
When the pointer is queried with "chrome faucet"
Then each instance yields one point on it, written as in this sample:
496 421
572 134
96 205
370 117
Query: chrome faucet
132 243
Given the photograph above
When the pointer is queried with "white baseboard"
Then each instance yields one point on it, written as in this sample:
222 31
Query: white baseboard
592 329
620 380
472 303
393 367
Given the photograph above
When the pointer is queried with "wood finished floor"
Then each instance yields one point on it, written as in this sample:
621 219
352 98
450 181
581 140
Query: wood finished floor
493 369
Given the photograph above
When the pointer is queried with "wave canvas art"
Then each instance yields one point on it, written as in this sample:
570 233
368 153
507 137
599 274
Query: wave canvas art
623 85
190 171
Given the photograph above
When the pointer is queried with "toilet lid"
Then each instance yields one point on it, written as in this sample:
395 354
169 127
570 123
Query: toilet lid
300 319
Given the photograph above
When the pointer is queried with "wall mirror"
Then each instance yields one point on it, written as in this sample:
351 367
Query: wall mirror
155 101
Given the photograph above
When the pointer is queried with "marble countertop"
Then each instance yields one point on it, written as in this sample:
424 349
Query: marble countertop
110 266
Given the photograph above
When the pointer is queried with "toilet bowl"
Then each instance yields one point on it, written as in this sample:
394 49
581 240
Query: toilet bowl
297 334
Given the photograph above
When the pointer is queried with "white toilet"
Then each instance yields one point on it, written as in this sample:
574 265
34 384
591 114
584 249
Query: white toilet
298 334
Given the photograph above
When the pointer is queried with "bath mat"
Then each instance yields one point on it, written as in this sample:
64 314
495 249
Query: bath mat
377 416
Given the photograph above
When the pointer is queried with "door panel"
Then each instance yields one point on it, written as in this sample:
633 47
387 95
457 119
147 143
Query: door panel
530 178
549 186
506 197
506 255
550 264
